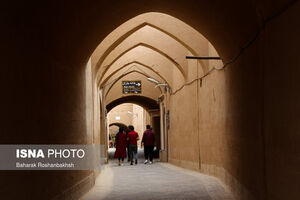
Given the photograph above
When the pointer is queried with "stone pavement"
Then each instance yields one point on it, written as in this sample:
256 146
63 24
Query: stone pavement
156 181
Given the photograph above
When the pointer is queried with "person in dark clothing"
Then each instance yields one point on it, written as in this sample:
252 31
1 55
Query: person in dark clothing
132 138
148 141
127 145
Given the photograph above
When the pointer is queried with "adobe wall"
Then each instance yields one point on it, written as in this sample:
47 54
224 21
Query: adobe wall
44 105
215 125
281 103
130 114
43 86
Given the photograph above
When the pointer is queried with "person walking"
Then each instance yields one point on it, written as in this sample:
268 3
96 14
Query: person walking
132 138
148 141
121 141
127 145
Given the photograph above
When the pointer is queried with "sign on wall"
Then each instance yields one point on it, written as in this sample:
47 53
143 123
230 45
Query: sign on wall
132 87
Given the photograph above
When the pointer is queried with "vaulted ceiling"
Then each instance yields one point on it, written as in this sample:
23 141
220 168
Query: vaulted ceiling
149 45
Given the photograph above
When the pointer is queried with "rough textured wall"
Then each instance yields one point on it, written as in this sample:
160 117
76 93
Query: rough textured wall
124 111
281 103
45 105
183 133
89 107
138 120
220 123
130 114
230 126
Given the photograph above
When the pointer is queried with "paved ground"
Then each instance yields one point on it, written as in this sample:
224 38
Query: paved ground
156 181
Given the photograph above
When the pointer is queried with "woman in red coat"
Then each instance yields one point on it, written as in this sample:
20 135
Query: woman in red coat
121 141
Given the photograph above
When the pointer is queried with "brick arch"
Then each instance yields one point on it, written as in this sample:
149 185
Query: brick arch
145 102
164 54
132 63
191 46
119 125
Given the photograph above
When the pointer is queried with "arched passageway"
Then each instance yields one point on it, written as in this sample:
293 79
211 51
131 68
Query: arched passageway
237 123
118 125
147 103
138 111
193 102
115 127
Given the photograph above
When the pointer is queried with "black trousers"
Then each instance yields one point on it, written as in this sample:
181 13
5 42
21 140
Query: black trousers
133 152
128 153
148 151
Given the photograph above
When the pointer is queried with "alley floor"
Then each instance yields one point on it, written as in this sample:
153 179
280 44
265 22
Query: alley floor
156 181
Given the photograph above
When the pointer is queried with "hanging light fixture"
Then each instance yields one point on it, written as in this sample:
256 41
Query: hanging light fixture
153 80
158 84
